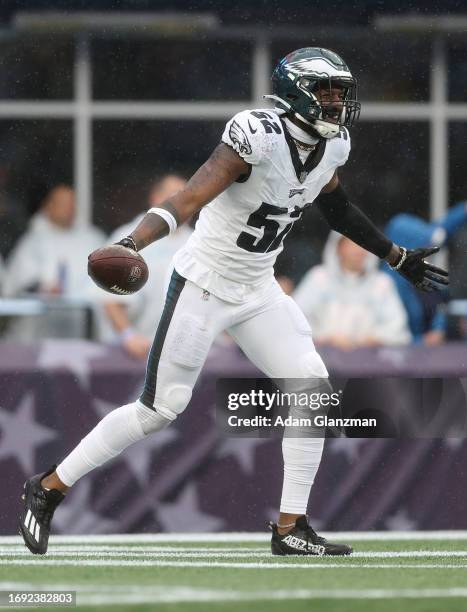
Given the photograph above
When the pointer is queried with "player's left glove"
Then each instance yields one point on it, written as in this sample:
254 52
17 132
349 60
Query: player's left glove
423 275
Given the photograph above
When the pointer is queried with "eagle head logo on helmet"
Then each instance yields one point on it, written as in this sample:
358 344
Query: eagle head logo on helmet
303 84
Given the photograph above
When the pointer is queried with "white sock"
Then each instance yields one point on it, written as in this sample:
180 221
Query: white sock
302 457
109 438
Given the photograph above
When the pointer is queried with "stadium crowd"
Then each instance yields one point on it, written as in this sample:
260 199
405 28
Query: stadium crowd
350 300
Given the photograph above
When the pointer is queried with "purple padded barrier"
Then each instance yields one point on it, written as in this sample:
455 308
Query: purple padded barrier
187 477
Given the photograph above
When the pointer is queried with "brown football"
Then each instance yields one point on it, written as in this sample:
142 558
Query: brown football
118 269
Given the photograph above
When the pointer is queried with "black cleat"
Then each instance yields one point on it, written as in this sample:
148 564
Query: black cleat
39 508
303 540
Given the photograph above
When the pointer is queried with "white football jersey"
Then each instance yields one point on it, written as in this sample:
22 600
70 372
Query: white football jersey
240 233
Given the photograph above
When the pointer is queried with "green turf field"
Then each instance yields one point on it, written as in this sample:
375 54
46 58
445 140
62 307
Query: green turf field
231 572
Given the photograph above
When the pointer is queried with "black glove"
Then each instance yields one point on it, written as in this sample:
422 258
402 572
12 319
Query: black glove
129 243
424 276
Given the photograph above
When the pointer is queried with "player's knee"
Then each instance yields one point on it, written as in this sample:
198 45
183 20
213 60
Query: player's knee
172 401
149 420
305 423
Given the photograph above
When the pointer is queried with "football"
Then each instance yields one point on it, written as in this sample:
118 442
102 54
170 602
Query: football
118 269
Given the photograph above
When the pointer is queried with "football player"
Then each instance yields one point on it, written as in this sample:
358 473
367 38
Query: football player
271 164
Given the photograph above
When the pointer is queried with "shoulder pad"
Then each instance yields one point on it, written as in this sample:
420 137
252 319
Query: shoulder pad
342 146
252 133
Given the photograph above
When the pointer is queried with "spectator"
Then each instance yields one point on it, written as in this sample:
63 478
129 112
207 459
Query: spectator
51 257
427 323
349 302
134 318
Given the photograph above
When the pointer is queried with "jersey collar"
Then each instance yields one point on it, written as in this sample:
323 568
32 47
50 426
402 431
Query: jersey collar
313 159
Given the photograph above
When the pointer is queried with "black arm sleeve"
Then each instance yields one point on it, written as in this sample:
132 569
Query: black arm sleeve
350 221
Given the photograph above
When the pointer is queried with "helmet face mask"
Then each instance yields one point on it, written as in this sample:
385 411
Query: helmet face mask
317 87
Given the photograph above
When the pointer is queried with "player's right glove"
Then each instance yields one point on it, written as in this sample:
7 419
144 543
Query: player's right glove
129 243
423 275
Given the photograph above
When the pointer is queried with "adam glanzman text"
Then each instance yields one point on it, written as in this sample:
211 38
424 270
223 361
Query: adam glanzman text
265 400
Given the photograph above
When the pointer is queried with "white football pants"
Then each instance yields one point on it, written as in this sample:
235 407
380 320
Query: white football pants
271 330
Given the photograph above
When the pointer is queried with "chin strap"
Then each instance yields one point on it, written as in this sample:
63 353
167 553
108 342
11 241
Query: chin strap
323 129
326 129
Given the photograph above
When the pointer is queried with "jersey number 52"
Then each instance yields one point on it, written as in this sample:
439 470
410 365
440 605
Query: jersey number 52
271 238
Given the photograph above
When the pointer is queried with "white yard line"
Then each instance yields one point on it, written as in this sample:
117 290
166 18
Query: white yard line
212 550
213 553
145 549
131 594
130 554
246 536
307 564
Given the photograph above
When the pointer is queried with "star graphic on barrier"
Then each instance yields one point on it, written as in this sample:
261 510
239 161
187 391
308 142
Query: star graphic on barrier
453 443
243 449
400 521
185 514
21 434
139 456
75 514
393 355
73 355
350 447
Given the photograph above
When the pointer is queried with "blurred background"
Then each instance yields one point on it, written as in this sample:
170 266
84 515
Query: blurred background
106 108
